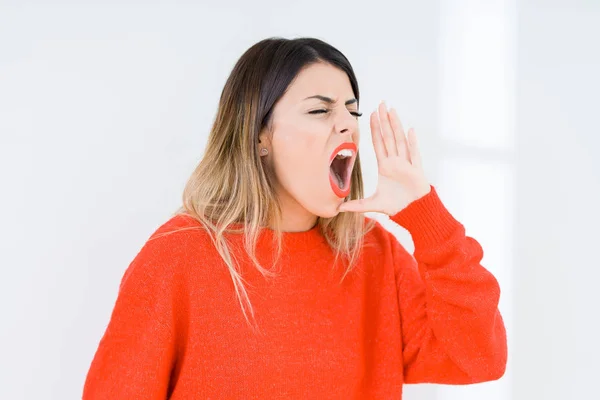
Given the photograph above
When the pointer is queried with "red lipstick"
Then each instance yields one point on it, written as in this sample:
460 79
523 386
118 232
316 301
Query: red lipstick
340 169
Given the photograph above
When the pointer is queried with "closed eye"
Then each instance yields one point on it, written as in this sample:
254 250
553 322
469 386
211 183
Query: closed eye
324 111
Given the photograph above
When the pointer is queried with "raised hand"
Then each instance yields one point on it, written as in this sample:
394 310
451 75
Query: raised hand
401 179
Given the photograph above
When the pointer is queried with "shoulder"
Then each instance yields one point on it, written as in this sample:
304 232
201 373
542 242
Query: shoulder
175 245
180 233
177 223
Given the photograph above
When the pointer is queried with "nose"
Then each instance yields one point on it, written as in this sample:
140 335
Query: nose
345 123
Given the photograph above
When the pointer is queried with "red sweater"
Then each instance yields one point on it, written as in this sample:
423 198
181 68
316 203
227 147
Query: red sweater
177 330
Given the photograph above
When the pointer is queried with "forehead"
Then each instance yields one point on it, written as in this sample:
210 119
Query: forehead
323 79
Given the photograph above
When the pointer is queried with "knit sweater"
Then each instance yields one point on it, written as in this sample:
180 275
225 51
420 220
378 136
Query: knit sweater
177 330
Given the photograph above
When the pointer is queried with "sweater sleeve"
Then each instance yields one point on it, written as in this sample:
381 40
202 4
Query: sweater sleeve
452 331
136 353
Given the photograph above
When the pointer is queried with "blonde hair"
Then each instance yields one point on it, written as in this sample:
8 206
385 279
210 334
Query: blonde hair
231 186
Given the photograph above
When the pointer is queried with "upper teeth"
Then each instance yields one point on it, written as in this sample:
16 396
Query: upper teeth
344 153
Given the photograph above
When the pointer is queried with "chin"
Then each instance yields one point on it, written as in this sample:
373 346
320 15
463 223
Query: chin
330 211
329 215
323 204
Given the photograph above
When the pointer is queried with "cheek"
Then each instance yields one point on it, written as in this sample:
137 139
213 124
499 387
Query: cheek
296 155
299 157
299 142
299 134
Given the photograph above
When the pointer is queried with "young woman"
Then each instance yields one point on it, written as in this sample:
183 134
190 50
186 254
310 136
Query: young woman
270 282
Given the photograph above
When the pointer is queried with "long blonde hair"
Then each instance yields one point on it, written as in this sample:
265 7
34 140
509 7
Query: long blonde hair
231 186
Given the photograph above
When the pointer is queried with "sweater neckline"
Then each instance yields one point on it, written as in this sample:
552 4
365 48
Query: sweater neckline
290 239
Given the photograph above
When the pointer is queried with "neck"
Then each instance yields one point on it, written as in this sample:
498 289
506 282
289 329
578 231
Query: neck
295 223
294 217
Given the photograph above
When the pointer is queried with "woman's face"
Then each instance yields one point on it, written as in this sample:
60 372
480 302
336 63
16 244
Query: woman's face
312 123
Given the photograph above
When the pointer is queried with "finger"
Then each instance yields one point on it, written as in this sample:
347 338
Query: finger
399 135
377 138
413 146
386 131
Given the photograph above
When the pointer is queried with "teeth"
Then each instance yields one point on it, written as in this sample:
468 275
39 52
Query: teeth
344 153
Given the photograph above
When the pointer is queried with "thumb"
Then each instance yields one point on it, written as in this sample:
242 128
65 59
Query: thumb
360 205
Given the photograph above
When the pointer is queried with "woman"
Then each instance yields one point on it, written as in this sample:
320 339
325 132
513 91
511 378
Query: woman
271 283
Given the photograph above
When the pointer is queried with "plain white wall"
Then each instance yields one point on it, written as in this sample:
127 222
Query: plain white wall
104 111
557 270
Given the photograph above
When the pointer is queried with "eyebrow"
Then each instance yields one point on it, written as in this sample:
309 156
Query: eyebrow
330 100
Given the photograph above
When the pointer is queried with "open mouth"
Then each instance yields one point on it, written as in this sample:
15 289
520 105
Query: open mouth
340 168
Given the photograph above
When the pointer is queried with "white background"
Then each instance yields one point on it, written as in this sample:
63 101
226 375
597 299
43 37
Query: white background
105 108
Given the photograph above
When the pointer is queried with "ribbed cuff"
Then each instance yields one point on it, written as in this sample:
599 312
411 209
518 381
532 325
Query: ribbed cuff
428 221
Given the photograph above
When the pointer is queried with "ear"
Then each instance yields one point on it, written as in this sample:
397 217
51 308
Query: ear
264 142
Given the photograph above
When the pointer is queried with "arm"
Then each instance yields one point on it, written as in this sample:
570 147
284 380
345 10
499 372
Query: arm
452 331
137 351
